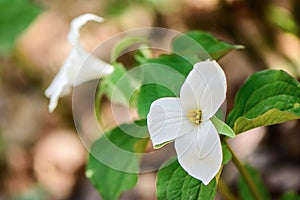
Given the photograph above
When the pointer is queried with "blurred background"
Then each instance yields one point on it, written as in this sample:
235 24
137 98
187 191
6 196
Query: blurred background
41 156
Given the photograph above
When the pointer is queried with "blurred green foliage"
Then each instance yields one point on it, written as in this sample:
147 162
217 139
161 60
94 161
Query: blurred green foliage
15 16
117 7
34 193
2 147
290 196
244 188
282 18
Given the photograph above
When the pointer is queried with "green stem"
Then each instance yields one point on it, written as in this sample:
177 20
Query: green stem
244 173
225 191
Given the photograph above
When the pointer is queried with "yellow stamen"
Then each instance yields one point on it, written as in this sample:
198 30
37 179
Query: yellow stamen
195 116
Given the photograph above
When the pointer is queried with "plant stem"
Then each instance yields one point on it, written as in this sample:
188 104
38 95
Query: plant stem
225 191
244 173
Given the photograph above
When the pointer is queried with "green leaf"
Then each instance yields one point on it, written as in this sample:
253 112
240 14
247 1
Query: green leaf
222 127
163 77
273 116
175 183
114 159
244 189
124 44
118 86
290 196
226 154
267 97
150 93
172 61
15 16
198 45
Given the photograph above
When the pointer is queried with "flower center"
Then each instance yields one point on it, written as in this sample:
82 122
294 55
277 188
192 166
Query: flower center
195 116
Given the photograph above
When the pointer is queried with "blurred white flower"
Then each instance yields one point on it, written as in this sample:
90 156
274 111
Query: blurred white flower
79 66
187 121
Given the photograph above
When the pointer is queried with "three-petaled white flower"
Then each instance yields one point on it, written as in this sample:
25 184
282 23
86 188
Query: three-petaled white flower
187 121
78 58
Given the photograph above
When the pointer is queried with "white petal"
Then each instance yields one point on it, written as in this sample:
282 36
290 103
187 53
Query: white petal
79 66
200 152
166 122
204 88
78 22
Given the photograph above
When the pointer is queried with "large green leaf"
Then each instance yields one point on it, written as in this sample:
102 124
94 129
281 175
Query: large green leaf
198 45
172 61
267 97
175 183
163 77
150 93
15 16
114 159
245 192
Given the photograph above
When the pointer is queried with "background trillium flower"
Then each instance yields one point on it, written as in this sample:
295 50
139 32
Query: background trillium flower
187 121
78 58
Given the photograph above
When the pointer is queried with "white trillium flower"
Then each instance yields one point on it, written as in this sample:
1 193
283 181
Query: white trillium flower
70 74
187 121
